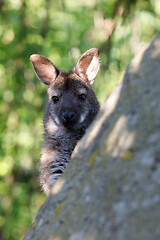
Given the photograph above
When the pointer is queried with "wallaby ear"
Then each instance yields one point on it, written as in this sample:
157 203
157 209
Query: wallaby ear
44 69
88 65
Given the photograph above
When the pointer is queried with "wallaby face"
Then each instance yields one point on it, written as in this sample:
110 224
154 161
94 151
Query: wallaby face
71 102
70 109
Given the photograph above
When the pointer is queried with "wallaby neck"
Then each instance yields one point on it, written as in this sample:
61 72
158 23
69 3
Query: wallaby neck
62 139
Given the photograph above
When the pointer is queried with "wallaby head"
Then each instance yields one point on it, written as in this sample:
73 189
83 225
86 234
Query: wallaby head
71 101
71 107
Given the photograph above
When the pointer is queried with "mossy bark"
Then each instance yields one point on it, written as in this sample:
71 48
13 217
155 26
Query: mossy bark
111 188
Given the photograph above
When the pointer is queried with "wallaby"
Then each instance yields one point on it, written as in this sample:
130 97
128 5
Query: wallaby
70 109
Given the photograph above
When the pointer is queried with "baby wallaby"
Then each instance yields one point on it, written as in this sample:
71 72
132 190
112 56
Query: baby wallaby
70 109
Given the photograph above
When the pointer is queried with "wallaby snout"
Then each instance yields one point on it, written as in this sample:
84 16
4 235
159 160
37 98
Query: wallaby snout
68 118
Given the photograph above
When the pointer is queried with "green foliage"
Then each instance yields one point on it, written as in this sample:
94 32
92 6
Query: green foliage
61 31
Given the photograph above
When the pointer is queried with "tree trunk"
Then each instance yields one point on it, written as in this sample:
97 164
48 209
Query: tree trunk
111 188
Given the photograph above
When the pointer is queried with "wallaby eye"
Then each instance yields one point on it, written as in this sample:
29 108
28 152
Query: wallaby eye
82 97
55 99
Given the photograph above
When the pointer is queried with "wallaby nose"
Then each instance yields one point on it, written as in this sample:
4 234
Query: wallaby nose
68 117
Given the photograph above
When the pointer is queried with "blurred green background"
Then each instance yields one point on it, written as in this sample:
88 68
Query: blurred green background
61 30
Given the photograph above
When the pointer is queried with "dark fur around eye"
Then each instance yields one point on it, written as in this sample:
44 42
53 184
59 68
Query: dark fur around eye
82 97
55 99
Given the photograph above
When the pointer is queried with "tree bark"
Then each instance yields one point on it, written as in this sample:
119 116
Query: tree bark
111 188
